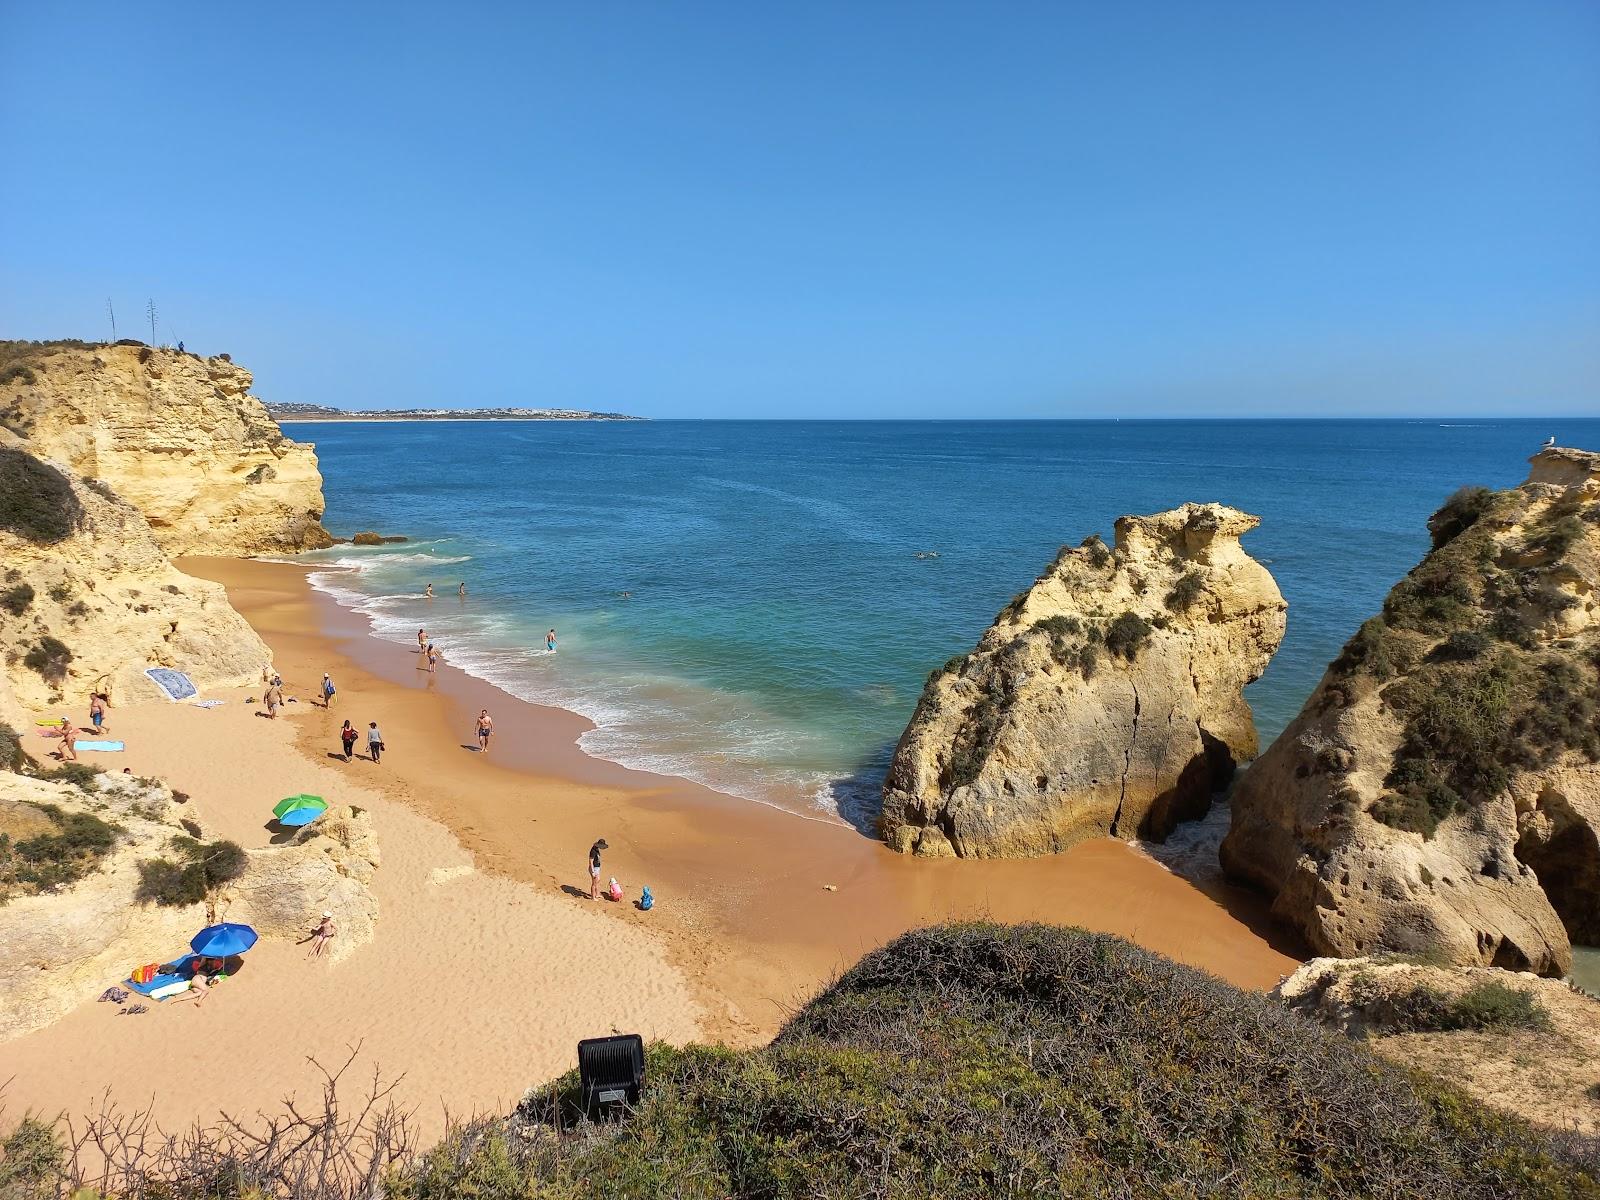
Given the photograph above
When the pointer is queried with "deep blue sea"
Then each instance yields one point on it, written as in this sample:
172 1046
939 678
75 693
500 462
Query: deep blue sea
756 605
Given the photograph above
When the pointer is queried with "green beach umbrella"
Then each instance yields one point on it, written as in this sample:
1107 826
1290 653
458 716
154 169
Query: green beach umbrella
299 810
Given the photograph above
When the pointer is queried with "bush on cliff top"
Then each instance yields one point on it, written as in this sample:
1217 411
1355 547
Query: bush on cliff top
980 1060
196 869
52 860
36 501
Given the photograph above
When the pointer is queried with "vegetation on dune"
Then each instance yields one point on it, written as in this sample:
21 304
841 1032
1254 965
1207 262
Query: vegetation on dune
1487 1005
1186 591
979 1060
195 869
47 861
50 657
1459 651
36 501
964 1060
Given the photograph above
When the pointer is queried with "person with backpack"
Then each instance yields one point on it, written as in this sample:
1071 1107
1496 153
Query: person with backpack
347 735
327 690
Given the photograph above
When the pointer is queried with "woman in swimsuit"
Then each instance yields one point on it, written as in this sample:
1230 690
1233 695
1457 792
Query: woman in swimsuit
485 730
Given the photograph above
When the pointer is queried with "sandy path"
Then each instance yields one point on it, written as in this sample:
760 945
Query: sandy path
480 983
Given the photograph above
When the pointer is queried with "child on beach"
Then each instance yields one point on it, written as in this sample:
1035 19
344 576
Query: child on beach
97 711
433 657
594 868
374 741
550 642
327 690
320 936
347 735
485 730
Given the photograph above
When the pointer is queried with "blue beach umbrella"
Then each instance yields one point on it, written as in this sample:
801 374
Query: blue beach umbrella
223 941
301 816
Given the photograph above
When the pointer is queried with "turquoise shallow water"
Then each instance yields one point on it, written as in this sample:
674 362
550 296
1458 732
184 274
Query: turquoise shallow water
744 602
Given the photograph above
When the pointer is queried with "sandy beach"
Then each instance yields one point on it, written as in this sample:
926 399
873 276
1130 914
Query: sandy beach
489 961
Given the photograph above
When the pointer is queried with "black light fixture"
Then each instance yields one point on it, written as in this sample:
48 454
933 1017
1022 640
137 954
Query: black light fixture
611 1072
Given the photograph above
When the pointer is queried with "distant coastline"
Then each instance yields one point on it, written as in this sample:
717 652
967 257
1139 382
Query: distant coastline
319 412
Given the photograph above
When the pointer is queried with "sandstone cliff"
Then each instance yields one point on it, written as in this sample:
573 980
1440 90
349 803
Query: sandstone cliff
1106 699
1440 791
1527 1045
88 599
177 436
65 947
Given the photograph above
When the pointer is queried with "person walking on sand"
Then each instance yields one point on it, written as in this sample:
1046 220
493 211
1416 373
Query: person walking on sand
485 730
433 657
69 740
594 868
97 711
274 698
347 735
320 937
327 690
374 741
422 641
550 642
427 592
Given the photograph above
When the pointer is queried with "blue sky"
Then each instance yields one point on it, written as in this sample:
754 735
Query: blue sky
818 210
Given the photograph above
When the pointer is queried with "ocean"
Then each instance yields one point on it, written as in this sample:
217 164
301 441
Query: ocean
755 605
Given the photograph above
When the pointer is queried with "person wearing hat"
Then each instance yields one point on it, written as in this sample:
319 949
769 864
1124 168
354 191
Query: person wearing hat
594 868
320 937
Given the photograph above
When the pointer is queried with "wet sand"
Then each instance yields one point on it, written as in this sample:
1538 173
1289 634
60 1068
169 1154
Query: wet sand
743 931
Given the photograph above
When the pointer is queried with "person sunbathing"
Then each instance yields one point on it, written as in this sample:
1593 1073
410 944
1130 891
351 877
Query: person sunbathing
199 988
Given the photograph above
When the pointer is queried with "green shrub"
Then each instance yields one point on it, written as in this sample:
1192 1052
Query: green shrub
1465 644
12 757
1186 591
200 868
1126 635
1557 537
61 592
1458 514
978 1060
1487 1005
12 372
57 859
1099 554
1434 598
50 657
79 774
32 1161
36 501
16 599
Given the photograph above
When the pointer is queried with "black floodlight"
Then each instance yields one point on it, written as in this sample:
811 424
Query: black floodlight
611 1071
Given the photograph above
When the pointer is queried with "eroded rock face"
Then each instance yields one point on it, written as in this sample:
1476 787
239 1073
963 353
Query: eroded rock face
177 436
64 949
107 595
1106 699
1440 791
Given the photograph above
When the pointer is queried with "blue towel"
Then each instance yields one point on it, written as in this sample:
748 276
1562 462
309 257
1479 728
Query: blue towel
144 989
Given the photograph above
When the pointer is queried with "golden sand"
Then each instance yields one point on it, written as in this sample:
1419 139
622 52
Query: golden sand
490 962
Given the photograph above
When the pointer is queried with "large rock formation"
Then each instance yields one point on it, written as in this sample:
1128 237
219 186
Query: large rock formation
177 436
1440 791
88 599
1106 699
64 947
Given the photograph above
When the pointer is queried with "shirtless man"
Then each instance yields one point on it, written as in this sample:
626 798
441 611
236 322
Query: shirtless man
422 641
485 730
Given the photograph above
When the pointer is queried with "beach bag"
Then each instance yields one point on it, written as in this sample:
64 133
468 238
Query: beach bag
646 900
615 890
145 973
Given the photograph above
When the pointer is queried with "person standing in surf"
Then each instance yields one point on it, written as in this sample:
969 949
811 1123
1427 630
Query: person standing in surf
422 641
427 592
550 642
463 590
485 730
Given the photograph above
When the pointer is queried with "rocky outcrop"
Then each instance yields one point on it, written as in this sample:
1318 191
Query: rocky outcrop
64 948
1519 1042
88 599
1440 791
1106 699
178 436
